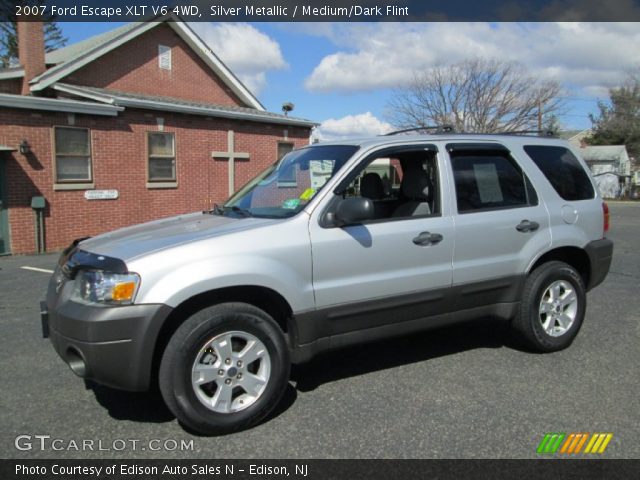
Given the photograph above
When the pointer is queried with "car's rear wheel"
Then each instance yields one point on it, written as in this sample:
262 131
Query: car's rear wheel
552 308
225 368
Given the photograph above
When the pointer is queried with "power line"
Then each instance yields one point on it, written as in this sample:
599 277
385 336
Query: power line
580 99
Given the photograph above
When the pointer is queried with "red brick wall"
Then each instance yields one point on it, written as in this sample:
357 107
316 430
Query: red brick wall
11 86
133 67
119 162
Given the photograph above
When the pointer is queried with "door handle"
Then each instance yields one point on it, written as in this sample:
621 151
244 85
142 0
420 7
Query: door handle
527 226
426 238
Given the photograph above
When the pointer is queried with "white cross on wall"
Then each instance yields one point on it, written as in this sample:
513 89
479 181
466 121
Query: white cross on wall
231 156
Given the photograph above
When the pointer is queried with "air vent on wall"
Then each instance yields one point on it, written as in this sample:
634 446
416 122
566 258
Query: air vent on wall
164 57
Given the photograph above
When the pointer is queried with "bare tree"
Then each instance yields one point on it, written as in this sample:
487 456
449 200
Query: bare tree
476 95
53 37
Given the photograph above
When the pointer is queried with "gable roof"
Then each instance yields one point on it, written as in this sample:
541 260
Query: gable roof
82 47
605 153
73 57
569 134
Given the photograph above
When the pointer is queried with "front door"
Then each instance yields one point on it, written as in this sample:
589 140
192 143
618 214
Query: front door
5 246
396 267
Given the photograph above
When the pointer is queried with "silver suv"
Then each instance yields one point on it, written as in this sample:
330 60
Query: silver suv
336 244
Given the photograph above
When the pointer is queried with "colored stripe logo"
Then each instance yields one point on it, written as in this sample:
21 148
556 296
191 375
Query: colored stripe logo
573 443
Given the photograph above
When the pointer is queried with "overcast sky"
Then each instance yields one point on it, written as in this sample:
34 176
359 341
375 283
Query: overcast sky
343 74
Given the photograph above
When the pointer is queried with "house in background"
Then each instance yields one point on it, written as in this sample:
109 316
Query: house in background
135 124
609 164
576 137
611 168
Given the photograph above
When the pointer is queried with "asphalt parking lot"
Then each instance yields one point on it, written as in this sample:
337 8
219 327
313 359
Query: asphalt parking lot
462 392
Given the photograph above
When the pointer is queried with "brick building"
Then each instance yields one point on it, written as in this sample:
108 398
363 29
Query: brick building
135 124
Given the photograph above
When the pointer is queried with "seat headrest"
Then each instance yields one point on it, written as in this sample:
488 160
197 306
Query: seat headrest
371 186
416 186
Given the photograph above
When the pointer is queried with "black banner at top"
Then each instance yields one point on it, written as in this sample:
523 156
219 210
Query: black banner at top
325 10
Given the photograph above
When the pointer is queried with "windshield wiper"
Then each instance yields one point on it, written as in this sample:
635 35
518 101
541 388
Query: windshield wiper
242 211
216 210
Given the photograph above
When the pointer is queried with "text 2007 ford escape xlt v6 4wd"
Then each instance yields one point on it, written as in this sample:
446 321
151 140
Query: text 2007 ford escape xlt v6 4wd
336 244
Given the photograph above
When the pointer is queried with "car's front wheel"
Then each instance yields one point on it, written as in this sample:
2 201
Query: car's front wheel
552 308
225 368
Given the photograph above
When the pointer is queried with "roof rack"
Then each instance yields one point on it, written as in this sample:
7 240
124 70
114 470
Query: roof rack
436 129
428 129
539 133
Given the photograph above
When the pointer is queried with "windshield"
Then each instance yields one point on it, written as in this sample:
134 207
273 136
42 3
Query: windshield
284 188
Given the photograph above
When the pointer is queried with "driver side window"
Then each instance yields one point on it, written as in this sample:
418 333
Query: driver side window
400 185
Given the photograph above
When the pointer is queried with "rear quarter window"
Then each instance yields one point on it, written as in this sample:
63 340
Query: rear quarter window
563 170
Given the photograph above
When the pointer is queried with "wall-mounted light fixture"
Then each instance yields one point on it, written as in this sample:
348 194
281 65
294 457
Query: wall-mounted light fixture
24 147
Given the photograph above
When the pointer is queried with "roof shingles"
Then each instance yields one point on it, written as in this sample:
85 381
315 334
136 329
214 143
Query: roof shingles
78 49
117 97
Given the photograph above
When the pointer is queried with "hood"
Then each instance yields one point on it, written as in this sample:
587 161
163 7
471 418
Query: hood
138 240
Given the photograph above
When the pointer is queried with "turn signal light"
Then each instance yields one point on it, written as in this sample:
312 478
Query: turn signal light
123 291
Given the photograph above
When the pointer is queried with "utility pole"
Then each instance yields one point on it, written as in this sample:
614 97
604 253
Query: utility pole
539 114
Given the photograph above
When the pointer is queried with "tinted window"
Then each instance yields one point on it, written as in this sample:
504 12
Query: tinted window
488 180
563 170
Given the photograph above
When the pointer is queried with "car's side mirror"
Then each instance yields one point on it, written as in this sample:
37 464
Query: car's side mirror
354 210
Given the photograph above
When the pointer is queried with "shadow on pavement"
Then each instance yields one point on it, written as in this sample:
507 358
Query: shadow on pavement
330 366
134 406
150 407
361 359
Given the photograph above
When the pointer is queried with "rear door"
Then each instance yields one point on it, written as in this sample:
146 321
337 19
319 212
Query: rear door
500 223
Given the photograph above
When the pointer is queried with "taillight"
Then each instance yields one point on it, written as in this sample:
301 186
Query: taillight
605 215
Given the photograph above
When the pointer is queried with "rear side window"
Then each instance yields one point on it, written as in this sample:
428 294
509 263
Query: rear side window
563 170
489 180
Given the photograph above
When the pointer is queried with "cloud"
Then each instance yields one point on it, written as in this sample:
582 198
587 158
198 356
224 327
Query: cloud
247 51
386 55
360 125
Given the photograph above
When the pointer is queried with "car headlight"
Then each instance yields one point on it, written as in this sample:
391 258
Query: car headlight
95 286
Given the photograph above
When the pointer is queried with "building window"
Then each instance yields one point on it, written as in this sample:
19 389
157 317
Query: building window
73 154
283 149
289 177
164 57
162 157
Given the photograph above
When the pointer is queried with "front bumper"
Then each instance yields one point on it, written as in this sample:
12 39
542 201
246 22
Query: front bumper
113 346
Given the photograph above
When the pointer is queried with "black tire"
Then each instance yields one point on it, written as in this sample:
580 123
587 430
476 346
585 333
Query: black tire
528 322
186 345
